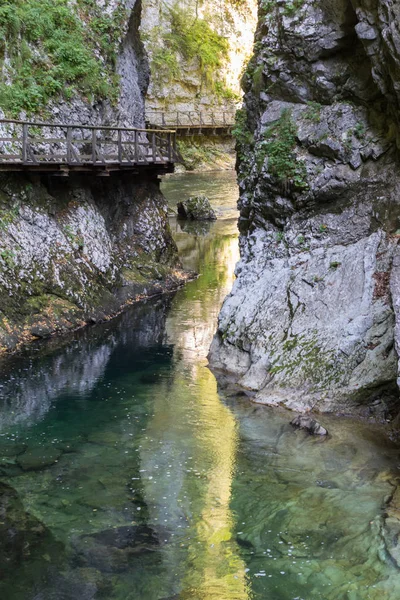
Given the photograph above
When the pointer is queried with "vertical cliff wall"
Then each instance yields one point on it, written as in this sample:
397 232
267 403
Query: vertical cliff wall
310 322
197 52
75 250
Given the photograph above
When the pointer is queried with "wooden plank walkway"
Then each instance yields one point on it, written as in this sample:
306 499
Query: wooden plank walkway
194 122
62 148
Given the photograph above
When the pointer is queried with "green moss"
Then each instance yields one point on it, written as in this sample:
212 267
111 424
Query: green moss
304 359
55 48
278 145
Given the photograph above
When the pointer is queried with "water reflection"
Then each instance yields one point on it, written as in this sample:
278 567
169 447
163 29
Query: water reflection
30 383
126 475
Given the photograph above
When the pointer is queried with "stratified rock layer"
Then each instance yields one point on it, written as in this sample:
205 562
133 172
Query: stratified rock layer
310 320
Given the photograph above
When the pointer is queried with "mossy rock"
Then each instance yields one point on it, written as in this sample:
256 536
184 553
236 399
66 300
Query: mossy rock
196 208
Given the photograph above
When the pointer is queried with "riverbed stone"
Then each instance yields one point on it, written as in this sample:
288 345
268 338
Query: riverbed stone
38 458
309 424
196 208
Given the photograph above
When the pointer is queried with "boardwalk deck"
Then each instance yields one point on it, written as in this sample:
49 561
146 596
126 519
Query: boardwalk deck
61 148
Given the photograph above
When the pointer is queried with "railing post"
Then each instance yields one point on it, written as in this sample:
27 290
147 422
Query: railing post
177 117
163 119
136 146
223 116
153 146
69 145
94 155
24 142
169 147
119 146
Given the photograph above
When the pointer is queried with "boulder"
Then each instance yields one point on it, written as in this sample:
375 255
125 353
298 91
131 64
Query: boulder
309 424
196 208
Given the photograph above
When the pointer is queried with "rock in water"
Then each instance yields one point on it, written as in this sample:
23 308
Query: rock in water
196 208
309 424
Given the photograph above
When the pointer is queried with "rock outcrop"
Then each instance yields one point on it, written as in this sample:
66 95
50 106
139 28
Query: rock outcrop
196 208
76 250
311 320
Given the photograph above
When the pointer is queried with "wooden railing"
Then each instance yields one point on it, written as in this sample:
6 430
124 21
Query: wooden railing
73 145
192 119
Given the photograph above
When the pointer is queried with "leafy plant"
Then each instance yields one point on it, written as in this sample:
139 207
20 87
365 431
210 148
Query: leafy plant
242 133
55 47
313 111
278 145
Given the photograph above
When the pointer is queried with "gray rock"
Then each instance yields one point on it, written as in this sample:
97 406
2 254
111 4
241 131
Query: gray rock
310 321
196 208
309 424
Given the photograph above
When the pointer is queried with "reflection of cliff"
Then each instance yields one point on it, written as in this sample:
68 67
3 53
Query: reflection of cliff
214 257
28 388
196 433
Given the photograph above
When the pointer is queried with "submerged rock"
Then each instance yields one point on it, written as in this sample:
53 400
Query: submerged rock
196 208
111 550
309 424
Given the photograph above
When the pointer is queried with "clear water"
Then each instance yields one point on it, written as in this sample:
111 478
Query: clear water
136 479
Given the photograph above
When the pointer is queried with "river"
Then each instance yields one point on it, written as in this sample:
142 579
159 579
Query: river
127 475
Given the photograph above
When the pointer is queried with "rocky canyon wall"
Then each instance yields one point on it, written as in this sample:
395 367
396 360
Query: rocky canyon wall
197 52
76 249
311 320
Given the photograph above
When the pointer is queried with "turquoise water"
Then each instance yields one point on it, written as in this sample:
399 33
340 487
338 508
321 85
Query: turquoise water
125 474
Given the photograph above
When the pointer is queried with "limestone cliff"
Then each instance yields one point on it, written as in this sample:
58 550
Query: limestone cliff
310 322
75 250
197 52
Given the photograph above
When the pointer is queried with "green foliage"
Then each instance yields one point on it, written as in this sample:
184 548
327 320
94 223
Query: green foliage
334 265
258 79
301 239
73 238
313 112
291 7
55 48
360 131
195 153
278 147
280 236
8 258
323 228
189 38
241 132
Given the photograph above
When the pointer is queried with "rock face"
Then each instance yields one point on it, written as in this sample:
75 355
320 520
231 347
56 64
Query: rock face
76 250
197 52
196 208
311 318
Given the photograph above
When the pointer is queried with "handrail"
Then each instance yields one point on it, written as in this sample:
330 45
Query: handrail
80 126
29 144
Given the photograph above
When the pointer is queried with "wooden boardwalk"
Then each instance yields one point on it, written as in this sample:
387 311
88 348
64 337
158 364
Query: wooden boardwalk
194 122
64 148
